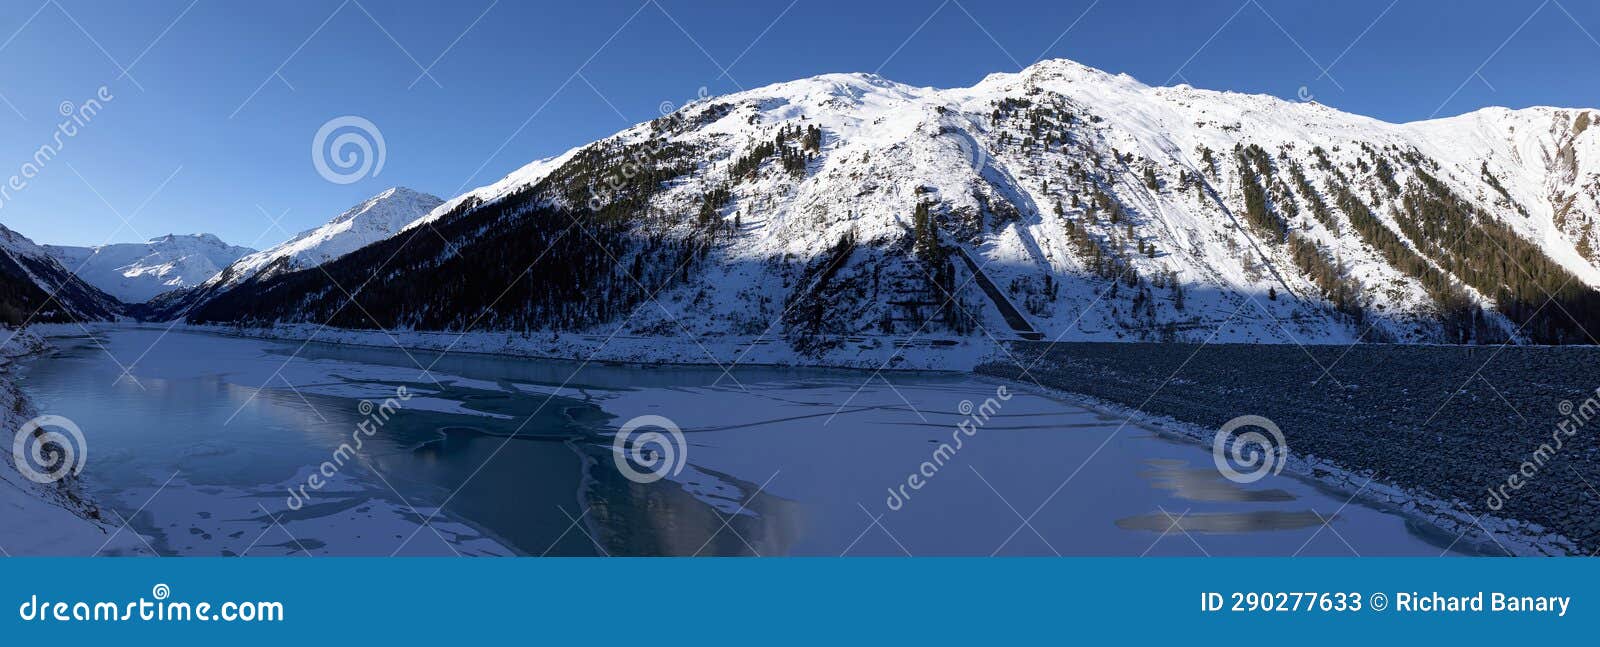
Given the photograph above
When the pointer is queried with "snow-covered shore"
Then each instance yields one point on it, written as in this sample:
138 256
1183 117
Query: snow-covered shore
43 520
1341 442
1517 537
871 352
1416 504
1423 507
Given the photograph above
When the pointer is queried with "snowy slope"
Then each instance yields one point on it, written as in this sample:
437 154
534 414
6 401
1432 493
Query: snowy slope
528 175
43 519
36 288
1548 162
376 218
137 272
830 220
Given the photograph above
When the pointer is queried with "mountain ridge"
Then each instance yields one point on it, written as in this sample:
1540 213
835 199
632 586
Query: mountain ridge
835 212
138 272
375 218
36 288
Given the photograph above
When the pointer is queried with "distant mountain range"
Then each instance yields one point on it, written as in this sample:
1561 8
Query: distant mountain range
135 279
1060 201
375 219
137 272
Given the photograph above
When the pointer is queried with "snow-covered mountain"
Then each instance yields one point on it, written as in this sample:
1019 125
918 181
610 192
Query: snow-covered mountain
847 215
137 272
36 288
375 219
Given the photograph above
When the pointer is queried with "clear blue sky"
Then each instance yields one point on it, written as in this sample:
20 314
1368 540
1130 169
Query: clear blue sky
189 119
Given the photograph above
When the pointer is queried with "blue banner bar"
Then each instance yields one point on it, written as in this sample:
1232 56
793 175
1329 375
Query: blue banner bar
797 601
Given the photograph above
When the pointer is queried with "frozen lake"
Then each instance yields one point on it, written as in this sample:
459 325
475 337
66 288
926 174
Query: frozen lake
207 445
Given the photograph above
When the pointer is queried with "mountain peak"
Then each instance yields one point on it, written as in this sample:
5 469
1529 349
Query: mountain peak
833 89
137 272
401 192
373 219
396 199
1064 66
201 237
1108 209
1060 70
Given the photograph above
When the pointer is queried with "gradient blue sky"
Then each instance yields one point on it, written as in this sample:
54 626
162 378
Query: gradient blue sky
202 136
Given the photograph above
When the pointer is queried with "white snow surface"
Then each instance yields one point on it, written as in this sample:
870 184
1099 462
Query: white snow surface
375 219
137 272
528 175
887 146
39 519
46 272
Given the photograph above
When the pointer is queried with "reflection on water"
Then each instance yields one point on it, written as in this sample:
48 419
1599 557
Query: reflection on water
496 456
1208 485
649 519
1222 522
1204 484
